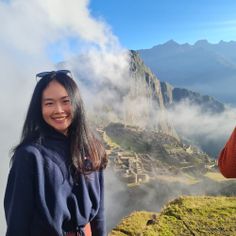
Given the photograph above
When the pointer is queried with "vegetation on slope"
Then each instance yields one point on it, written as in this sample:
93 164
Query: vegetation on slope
184 216
166 149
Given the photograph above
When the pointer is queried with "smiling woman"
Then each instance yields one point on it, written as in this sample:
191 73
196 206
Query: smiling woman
55 185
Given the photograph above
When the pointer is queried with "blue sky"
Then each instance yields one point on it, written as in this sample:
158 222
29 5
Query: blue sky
143 24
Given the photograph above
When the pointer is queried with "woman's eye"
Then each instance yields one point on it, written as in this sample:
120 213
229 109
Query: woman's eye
48 104
67 101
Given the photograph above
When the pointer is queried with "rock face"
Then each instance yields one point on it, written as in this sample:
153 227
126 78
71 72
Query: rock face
136 101
167 93
146 95
140 72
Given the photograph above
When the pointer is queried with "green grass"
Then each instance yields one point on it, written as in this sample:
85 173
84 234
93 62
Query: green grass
109 141
216 176
132 225
210 216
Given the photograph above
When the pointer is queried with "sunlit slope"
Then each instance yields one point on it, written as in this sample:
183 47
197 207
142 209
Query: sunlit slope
184 216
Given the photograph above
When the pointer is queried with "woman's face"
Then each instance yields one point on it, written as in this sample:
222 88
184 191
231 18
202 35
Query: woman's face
56 107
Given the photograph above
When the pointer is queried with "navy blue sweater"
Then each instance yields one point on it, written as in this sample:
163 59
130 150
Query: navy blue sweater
41 197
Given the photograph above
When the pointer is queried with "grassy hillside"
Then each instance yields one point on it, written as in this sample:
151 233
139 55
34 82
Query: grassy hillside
165 148
211 216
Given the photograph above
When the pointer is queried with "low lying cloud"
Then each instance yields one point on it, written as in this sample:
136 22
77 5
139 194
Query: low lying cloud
203 128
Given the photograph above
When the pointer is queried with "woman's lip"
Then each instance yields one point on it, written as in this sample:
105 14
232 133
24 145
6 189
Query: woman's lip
59 119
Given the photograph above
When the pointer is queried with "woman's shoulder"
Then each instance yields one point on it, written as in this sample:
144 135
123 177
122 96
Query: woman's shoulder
34 155
23 158
28 153
28 149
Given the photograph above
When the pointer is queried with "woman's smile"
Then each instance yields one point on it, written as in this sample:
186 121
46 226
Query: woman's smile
56 107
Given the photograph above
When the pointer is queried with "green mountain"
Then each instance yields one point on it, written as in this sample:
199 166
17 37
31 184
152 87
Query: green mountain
149 168
141 154
185 216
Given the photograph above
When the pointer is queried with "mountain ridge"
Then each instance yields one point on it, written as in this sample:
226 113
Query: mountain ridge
198 67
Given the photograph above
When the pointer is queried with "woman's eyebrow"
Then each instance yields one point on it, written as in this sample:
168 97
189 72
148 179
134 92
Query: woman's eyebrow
64 97
48 99
52 99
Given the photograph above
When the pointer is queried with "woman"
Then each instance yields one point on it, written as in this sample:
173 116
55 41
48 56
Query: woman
227 157
55 185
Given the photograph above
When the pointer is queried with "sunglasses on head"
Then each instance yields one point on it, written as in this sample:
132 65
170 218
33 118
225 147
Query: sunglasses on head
54 73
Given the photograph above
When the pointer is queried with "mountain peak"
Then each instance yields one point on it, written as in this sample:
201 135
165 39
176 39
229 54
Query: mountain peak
171 43
202 42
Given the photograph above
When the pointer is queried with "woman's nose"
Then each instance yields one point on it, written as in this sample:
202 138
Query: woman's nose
58 108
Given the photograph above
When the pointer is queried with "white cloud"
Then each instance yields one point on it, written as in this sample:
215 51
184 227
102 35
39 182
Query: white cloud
31 25
201 126
29 29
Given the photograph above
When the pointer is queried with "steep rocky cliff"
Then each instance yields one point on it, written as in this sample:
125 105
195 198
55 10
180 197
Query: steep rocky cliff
147 95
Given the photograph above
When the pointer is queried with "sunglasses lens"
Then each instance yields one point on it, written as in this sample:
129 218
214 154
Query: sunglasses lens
46 73
42 74
63 71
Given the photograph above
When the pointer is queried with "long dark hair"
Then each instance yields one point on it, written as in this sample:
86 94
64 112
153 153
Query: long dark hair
84 146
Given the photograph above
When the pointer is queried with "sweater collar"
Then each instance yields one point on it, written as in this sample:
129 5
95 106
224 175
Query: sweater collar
50 132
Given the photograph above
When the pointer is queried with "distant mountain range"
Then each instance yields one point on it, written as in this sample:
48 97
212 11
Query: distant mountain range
203 67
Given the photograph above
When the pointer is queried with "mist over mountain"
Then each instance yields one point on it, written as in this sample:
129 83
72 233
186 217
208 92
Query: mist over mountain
131 94
135 98
172 96
206 68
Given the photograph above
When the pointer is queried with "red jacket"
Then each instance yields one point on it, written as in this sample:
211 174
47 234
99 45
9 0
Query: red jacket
227 157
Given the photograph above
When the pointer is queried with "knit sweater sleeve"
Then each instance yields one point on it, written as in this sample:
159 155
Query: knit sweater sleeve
227 157
18 201
98 225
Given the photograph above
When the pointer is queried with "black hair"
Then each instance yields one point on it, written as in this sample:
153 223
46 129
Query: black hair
83 143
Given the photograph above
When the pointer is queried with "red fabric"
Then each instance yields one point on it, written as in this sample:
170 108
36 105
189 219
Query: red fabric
87 231
70 234
227 157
